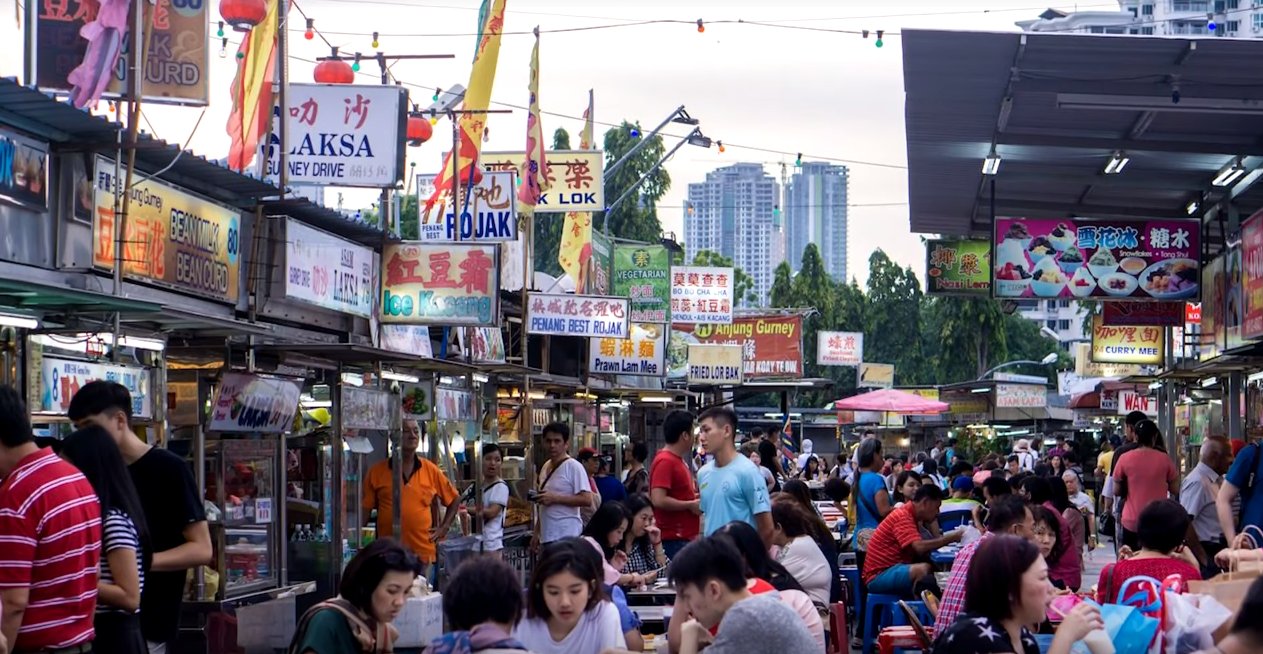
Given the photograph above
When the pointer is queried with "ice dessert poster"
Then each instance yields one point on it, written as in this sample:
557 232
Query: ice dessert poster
1097 259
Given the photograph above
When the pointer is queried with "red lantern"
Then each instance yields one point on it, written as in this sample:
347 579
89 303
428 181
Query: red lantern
334 71
419 131
243 14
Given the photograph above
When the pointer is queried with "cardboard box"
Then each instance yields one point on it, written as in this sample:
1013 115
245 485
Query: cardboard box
420 621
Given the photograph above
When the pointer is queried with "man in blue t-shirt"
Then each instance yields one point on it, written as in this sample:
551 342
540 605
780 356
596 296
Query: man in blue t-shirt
731 486
1241 481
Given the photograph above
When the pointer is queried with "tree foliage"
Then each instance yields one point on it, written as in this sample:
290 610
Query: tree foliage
637 217
742 284
892 331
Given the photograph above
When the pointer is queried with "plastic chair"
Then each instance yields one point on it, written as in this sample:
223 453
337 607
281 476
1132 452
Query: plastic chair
878 613
915 617
839 638
931 602
896 639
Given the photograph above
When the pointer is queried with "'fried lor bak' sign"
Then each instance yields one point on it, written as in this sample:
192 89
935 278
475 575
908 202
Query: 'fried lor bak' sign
439 284
1126 344
574 178
564 314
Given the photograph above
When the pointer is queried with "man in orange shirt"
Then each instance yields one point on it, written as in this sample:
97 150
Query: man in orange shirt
422 483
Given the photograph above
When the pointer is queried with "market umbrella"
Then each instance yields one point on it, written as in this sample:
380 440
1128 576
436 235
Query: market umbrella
889 400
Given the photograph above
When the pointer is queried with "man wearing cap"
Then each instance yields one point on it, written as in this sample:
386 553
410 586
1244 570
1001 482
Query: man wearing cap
958 509
591 464
607 485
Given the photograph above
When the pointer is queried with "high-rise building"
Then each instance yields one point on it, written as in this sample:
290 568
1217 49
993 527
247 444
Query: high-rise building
815 212
1235 18
731 213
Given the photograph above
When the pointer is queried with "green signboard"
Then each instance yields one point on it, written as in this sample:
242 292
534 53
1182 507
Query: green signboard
642 273
599 280
958 267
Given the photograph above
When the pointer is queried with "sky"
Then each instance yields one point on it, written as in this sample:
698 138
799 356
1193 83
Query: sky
804 87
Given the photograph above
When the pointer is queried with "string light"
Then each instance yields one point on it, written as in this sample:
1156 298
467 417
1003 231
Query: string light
375 41
486 134
701 27
223 50
436 95
635 133
879 35
355 67
798 162
311 29
721 146
240 55
220 33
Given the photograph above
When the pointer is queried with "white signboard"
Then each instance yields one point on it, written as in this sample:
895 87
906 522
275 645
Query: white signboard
60 379
701 295
715 365
342 135
1129 401
488 213
328 271
563 314
576 178
840 348
644 354
365 408
425 187
255 404
1020 396
875 375
408 339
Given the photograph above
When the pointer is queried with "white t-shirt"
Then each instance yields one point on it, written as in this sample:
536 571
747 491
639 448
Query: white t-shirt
802 558
597 630
559 521
496 494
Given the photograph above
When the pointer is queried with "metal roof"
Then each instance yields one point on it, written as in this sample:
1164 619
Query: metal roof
1056 107
330 220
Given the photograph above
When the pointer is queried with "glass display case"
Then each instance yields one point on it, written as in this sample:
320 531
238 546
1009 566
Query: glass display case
241 481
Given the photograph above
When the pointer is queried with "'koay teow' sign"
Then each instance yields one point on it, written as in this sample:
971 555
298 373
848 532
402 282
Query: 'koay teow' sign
327 271
576 315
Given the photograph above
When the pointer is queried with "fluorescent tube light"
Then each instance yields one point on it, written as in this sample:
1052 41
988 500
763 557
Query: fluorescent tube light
1192 207
981 390
1116 163
399 377
317 404
21 322
139 343
1100 102
658 399
481 378
991 165
1229 174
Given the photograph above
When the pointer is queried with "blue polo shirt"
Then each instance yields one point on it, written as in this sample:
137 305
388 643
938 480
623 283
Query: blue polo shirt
1246 464
732 492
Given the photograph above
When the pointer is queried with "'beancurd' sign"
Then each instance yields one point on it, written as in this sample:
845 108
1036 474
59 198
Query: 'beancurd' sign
576 315
644 354
714 365
440 284
701 294
1126 344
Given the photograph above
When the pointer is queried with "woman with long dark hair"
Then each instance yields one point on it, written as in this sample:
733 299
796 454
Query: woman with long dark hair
799 552
868 494
643 540
567 610
1066 566
770 458
1144 476
606 532
1070 515
126 551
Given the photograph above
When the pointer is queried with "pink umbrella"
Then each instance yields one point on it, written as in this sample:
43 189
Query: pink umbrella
889 400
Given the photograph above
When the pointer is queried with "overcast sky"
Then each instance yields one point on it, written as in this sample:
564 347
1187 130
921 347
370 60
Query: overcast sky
825 94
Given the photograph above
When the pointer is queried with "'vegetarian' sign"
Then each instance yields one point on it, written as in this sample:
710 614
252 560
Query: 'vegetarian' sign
488 213
576 315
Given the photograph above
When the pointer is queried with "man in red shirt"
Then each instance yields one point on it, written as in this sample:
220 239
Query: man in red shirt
888 566
50 542
672 489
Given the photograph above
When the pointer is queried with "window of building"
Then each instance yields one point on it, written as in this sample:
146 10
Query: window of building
1233 26
1233 4
1146 10
1258 20
1051 324
1063 325
1146 30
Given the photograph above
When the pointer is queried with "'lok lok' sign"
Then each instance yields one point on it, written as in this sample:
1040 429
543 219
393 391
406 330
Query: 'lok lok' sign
574 178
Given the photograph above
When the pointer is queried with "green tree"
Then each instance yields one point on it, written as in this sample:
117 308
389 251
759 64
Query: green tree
965 336
410 218
637 217
742 284
1027 343
547 231
892 331
782 286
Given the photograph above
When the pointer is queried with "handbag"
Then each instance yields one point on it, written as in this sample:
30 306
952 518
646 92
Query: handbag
1230 588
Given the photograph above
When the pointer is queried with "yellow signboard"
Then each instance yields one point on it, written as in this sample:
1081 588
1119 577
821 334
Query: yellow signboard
1084 366
714 365
1126 344
574 178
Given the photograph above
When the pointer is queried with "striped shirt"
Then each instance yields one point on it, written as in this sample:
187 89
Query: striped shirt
50 542
118 532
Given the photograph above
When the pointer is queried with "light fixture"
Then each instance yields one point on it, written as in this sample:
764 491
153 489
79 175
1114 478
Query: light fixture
481 378
991 165
681 116
447 381
1048 360
1134 103
1212 381
1192 207
657 399
1229 174
21 322
980 390
318 404
1116 163
400 377
139 343
352 379
538 395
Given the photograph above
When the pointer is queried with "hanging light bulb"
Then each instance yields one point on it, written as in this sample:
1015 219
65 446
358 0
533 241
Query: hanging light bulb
311 29
355 67
436 95
240 55
701 27
375 41
864 33
486 134
879 35
635 133
721 146
223 50
798 162
220 33
434 120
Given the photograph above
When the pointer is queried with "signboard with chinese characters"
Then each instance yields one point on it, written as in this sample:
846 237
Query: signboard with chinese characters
407 339
839 348
1126 344
328 271
771 346
488 213
249 403
575 178
342 135
60 379
23 171
644 354
1154 314
599 280
643 274
714 365
875 375
1097 259
173 238
1020 396
563 314
452 284
365 408
958 267
701 294
1252 275
177 68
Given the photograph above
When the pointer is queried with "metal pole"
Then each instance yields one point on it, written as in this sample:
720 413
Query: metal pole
644 139
282 94
32 22
629 191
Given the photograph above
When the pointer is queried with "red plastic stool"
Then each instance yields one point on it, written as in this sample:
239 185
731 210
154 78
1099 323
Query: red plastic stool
892 638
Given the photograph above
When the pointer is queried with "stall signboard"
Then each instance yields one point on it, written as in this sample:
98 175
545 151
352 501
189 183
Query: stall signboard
1234 299
60 379
488 213
183 407
1135 344
601 261
431 284
328 271
1252 275
1020 396
875 375
1213 303
839 348
342 135
1129 401
958 267
643 354
702 294
563 314
23 171
407 339
454 404
771 346
176 71
1097 259
1148 314
575 178
173 238
1193 313
642 273
365 408
249 403
714 365
482 344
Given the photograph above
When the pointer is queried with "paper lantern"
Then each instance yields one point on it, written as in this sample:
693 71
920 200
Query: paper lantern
243 14
333 71
419 130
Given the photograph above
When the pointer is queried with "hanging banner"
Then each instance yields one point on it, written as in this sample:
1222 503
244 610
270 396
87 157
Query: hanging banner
599 280
771 346
482 344
1234 299
643 274
488 213
714 365
407 339
365 408
839 348
254 404
342 135
575 178
701 295
958 267
1252 275
328 271
643 354
1099 259
173 238
876 375
563 314
177 68
440 284
23 171
60 379
1126 344
1213 302
1020 396
1151 314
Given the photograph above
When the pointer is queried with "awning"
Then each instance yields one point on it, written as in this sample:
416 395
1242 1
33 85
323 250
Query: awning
36 297
330 220
359 354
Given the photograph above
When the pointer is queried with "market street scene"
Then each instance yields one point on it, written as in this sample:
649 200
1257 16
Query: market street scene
555 327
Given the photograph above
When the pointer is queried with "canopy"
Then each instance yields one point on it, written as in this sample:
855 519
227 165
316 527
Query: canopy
890 400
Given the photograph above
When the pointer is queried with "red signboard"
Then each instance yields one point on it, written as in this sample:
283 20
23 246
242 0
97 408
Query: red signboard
773 345
1252 276
1144 314
1193 313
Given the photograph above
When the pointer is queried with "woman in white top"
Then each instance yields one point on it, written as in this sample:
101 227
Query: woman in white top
799 553
567 611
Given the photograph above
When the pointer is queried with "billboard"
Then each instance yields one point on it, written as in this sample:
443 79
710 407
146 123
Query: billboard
958 267
771 346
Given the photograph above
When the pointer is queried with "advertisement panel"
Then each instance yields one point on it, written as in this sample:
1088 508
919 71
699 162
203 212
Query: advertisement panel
771 346
488 213
482 344
875 375
1098 259
643 354
714 365
254 404
328 271
701 294
173 238
365 408
958 267
1020 396
575 178
342 135
1193 313
1252 275
177 68
407 339
563 314
642 273
23 171
840 348
1129 401
1234 299
1126 344
1148 314
1213 302
602 260
440 284
60 379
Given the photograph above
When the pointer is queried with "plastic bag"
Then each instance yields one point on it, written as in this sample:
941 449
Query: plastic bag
969 535
1191 621
1128 628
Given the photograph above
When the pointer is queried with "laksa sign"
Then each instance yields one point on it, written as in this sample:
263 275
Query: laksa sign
327 271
